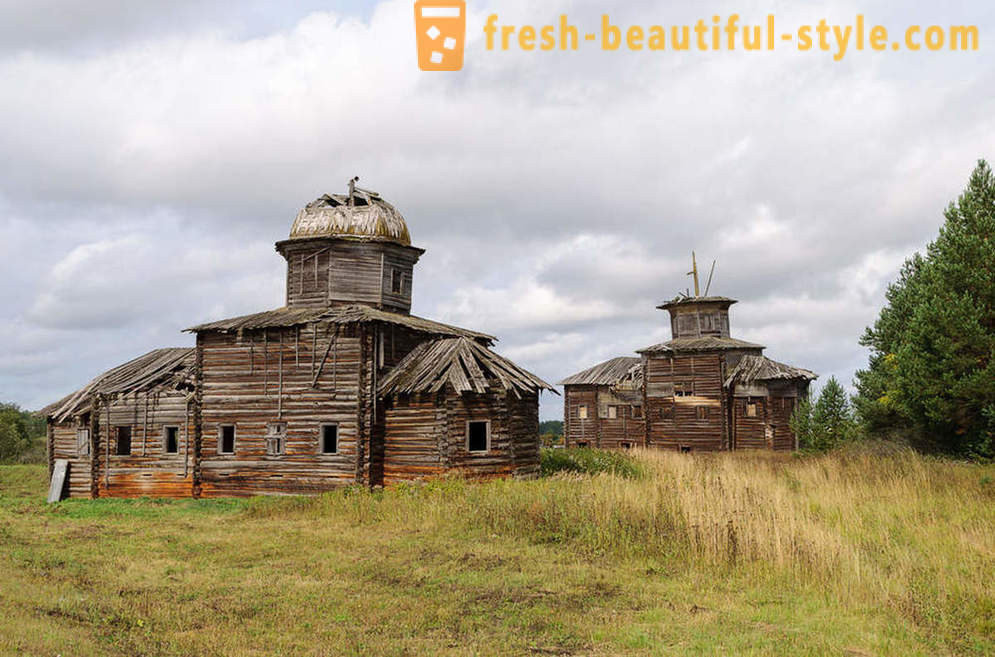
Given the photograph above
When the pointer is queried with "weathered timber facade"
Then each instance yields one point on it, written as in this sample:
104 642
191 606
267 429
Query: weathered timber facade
702 390
340 386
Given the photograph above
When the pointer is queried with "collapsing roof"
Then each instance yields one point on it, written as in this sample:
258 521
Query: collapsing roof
683 299
342 315
161 369
704 343
463 364
609 373
761 368
360 215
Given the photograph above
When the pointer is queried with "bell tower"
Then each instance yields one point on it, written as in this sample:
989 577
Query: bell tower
350 248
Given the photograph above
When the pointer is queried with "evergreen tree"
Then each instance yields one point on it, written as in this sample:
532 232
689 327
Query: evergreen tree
931 369
832 417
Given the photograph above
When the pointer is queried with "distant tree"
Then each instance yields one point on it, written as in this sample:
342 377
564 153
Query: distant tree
15 437
931 370
551 432
828 422
554 427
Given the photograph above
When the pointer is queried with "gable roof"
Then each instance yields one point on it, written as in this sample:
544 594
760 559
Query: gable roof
463 364
608 373
760 368
358 314
704 343
161 369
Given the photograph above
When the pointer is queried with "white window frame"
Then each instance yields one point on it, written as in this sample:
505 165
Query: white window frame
612 412
234 439
582 412
487 423
321 438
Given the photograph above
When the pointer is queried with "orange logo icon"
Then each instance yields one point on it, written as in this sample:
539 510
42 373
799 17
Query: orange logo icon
440 29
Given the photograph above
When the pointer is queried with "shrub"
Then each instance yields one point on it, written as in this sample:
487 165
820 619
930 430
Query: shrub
587 460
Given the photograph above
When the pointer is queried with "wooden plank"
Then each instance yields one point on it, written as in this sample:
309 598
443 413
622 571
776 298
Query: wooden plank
60 474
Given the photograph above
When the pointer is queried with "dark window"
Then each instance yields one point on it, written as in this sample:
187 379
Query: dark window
171 440
685 449
581 443
396 281
637 412
626 445
476 436
329 439
226 439
667 412
123 441
683 389
701 412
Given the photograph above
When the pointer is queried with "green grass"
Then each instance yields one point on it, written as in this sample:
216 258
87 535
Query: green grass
841 554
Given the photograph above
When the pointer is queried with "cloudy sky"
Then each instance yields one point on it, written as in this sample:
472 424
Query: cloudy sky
153 152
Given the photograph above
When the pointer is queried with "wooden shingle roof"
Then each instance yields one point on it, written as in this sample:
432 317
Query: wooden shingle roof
761 368
161 369
358 314
461 363
608 373
704 343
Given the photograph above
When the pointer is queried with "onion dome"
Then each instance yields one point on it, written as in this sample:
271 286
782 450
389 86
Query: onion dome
359 215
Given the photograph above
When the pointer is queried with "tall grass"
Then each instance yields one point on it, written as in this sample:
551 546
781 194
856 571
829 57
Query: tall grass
870 526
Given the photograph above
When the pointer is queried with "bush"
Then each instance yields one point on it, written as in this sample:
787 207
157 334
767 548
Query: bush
587 460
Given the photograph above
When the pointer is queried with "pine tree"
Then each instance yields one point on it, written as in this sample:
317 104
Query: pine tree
931 368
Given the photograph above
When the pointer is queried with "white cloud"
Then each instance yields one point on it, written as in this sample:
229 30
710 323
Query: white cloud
151 160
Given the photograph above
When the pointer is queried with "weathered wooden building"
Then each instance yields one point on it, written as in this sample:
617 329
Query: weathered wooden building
701 390
341 385
605 407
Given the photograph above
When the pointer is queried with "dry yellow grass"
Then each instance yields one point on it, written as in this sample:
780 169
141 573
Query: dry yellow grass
866 551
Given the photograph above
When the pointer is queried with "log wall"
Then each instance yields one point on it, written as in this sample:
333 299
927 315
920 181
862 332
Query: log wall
576 429
305 378
330 272
673 421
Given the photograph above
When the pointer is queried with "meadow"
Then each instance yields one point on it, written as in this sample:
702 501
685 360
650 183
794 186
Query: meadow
872 550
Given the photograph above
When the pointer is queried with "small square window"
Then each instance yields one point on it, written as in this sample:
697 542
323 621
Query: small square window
582 443
626 445
396 281
82 442
667 412
329 439
582 411
701 412
637 412
123 447
171 440
226 439
478 436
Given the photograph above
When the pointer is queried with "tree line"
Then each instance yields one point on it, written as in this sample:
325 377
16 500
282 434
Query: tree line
20 432
930 379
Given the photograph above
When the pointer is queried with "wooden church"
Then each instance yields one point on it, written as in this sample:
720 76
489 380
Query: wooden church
701 390
342 385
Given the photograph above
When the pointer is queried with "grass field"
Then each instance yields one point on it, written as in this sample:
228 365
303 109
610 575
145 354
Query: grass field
861 552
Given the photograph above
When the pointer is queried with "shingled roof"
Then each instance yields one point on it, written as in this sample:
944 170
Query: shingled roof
463 364
609 373
704 343
342 315
761 368
161 369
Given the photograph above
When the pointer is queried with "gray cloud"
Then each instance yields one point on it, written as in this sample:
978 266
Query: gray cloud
150 162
